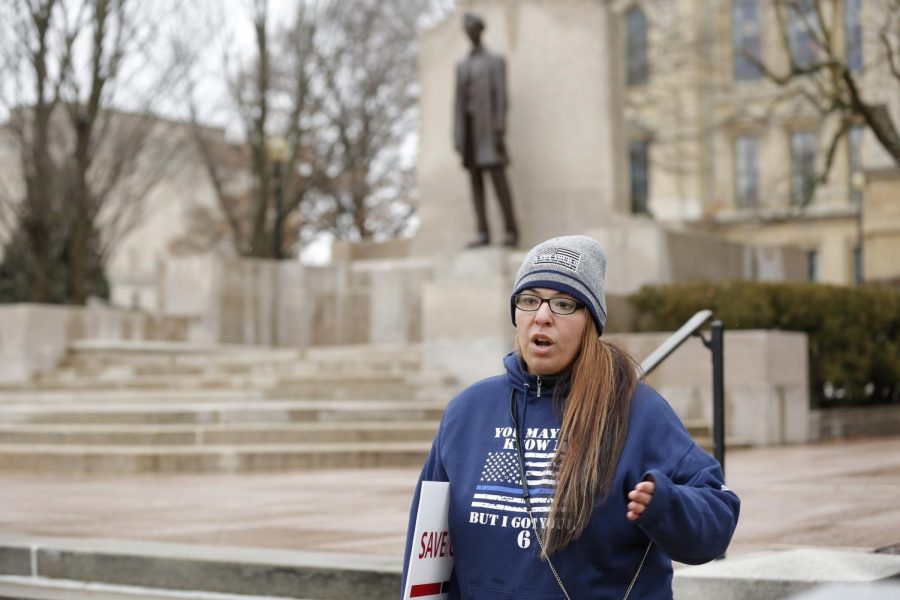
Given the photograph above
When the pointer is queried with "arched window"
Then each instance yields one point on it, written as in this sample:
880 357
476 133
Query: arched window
636 50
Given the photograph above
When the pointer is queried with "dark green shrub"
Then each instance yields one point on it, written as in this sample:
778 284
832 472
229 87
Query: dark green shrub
854 333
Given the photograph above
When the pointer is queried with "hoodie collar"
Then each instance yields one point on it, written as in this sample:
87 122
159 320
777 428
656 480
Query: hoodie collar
520 379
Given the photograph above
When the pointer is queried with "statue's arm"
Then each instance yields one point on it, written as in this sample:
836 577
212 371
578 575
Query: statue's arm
458 114
500 97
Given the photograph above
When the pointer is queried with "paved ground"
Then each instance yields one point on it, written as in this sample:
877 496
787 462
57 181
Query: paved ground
836 495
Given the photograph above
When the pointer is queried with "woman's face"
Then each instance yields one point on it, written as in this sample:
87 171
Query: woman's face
549 342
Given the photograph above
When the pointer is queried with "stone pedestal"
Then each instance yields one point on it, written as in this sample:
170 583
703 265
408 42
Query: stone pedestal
467 327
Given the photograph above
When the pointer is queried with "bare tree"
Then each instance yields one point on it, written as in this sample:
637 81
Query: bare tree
88 165
370 95
825 67
270 94
338 85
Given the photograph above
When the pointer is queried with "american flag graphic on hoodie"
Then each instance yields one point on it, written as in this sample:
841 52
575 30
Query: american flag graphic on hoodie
500 486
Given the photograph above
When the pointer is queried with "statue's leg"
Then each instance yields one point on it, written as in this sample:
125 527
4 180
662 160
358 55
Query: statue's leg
484 236
504 195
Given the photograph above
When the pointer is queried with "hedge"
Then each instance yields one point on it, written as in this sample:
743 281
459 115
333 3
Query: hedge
854 333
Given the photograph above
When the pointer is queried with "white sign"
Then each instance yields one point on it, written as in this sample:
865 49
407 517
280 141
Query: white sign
431 555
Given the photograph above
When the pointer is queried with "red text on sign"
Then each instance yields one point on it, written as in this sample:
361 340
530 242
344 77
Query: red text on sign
435 544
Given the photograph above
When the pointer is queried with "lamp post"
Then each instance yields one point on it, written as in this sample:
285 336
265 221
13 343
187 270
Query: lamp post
858 185
278 158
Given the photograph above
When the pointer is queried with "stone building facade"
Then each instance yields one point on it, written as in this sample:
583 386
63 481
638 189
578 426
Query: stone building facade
711 141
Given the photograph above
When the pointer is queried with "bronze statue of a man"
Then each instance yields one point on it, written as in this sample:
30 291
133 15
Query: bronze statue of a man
479 126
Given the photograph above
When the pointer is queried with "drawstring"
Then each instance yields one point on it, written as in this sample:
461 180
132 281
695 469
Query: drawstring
513 411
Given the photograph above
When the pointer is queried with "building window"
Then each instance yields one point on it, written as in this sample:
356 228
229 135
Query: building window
854 139
639 174
803 30
803 166
746 39
853 34
636 52
812 265
746 170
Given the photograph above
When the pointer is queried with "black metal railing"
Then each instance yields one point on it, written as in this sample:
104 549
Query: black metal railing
715 344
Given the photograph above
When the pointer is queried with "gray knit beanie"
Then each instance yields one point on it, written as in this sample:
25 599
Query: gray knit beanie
573 264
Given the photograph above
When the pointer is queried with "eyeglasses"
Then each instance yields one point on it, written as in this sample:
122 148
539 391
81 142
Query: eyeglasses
559 306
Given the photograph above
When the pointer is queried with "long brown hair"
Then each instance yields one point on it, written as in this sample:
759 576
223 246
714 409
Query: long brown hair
603 378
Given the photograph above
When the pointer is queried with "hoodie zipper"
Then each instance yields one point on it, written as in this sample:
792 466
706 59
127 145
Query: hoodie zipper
539 382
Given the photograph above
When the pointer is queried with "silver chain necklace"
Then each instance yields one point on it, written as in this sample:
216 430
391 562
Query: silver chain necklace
527 497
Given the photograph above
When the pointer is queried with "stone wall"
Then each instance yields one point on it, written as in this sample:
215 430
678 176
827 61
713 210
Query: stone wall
35 337
242 301
836 423
766 383
238 301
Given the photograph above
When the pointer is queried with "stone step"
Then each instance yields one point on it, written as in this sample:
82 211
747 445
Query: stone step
218 434
203 413
321 386
60 397
42 588
91 365
209 569
101 363
256 458
98 353
316 384
76 368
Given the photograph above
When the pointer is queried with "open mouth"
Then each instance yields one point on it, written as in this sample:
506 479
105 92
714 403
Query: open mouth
541 341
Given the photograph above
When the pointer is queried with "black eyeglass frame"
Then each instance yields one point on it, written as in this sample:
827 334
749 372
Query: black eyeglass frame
550 302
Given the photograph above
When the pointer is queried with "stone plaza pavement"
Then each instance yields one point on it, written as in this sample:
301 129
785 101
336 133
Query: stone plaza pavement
837 495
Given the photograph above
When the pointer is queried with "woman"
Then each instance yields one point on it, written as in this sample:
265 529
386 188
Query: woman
614 486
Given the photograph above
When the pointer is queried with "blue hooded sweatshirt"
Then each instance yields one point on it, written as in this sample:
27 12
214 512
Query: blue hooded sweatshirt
691 517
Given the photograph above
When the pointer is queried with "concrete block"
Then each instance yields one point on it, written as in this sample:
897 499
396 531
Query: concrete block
218 569
39 588
881 590
15 560
464 312
469 361
775 575
213 459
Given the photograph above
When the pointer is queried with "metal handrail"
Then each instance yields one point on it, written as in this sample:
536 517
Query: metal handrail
673 342
716 346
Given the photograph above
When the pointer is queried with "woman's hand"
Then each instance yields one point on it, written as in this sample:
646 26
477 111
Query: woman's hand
640 498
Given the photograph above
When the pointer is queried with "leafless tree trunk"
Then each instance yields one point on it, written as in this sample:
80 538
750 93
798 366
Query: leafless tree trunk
370 93
339 87
252 84
88 166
